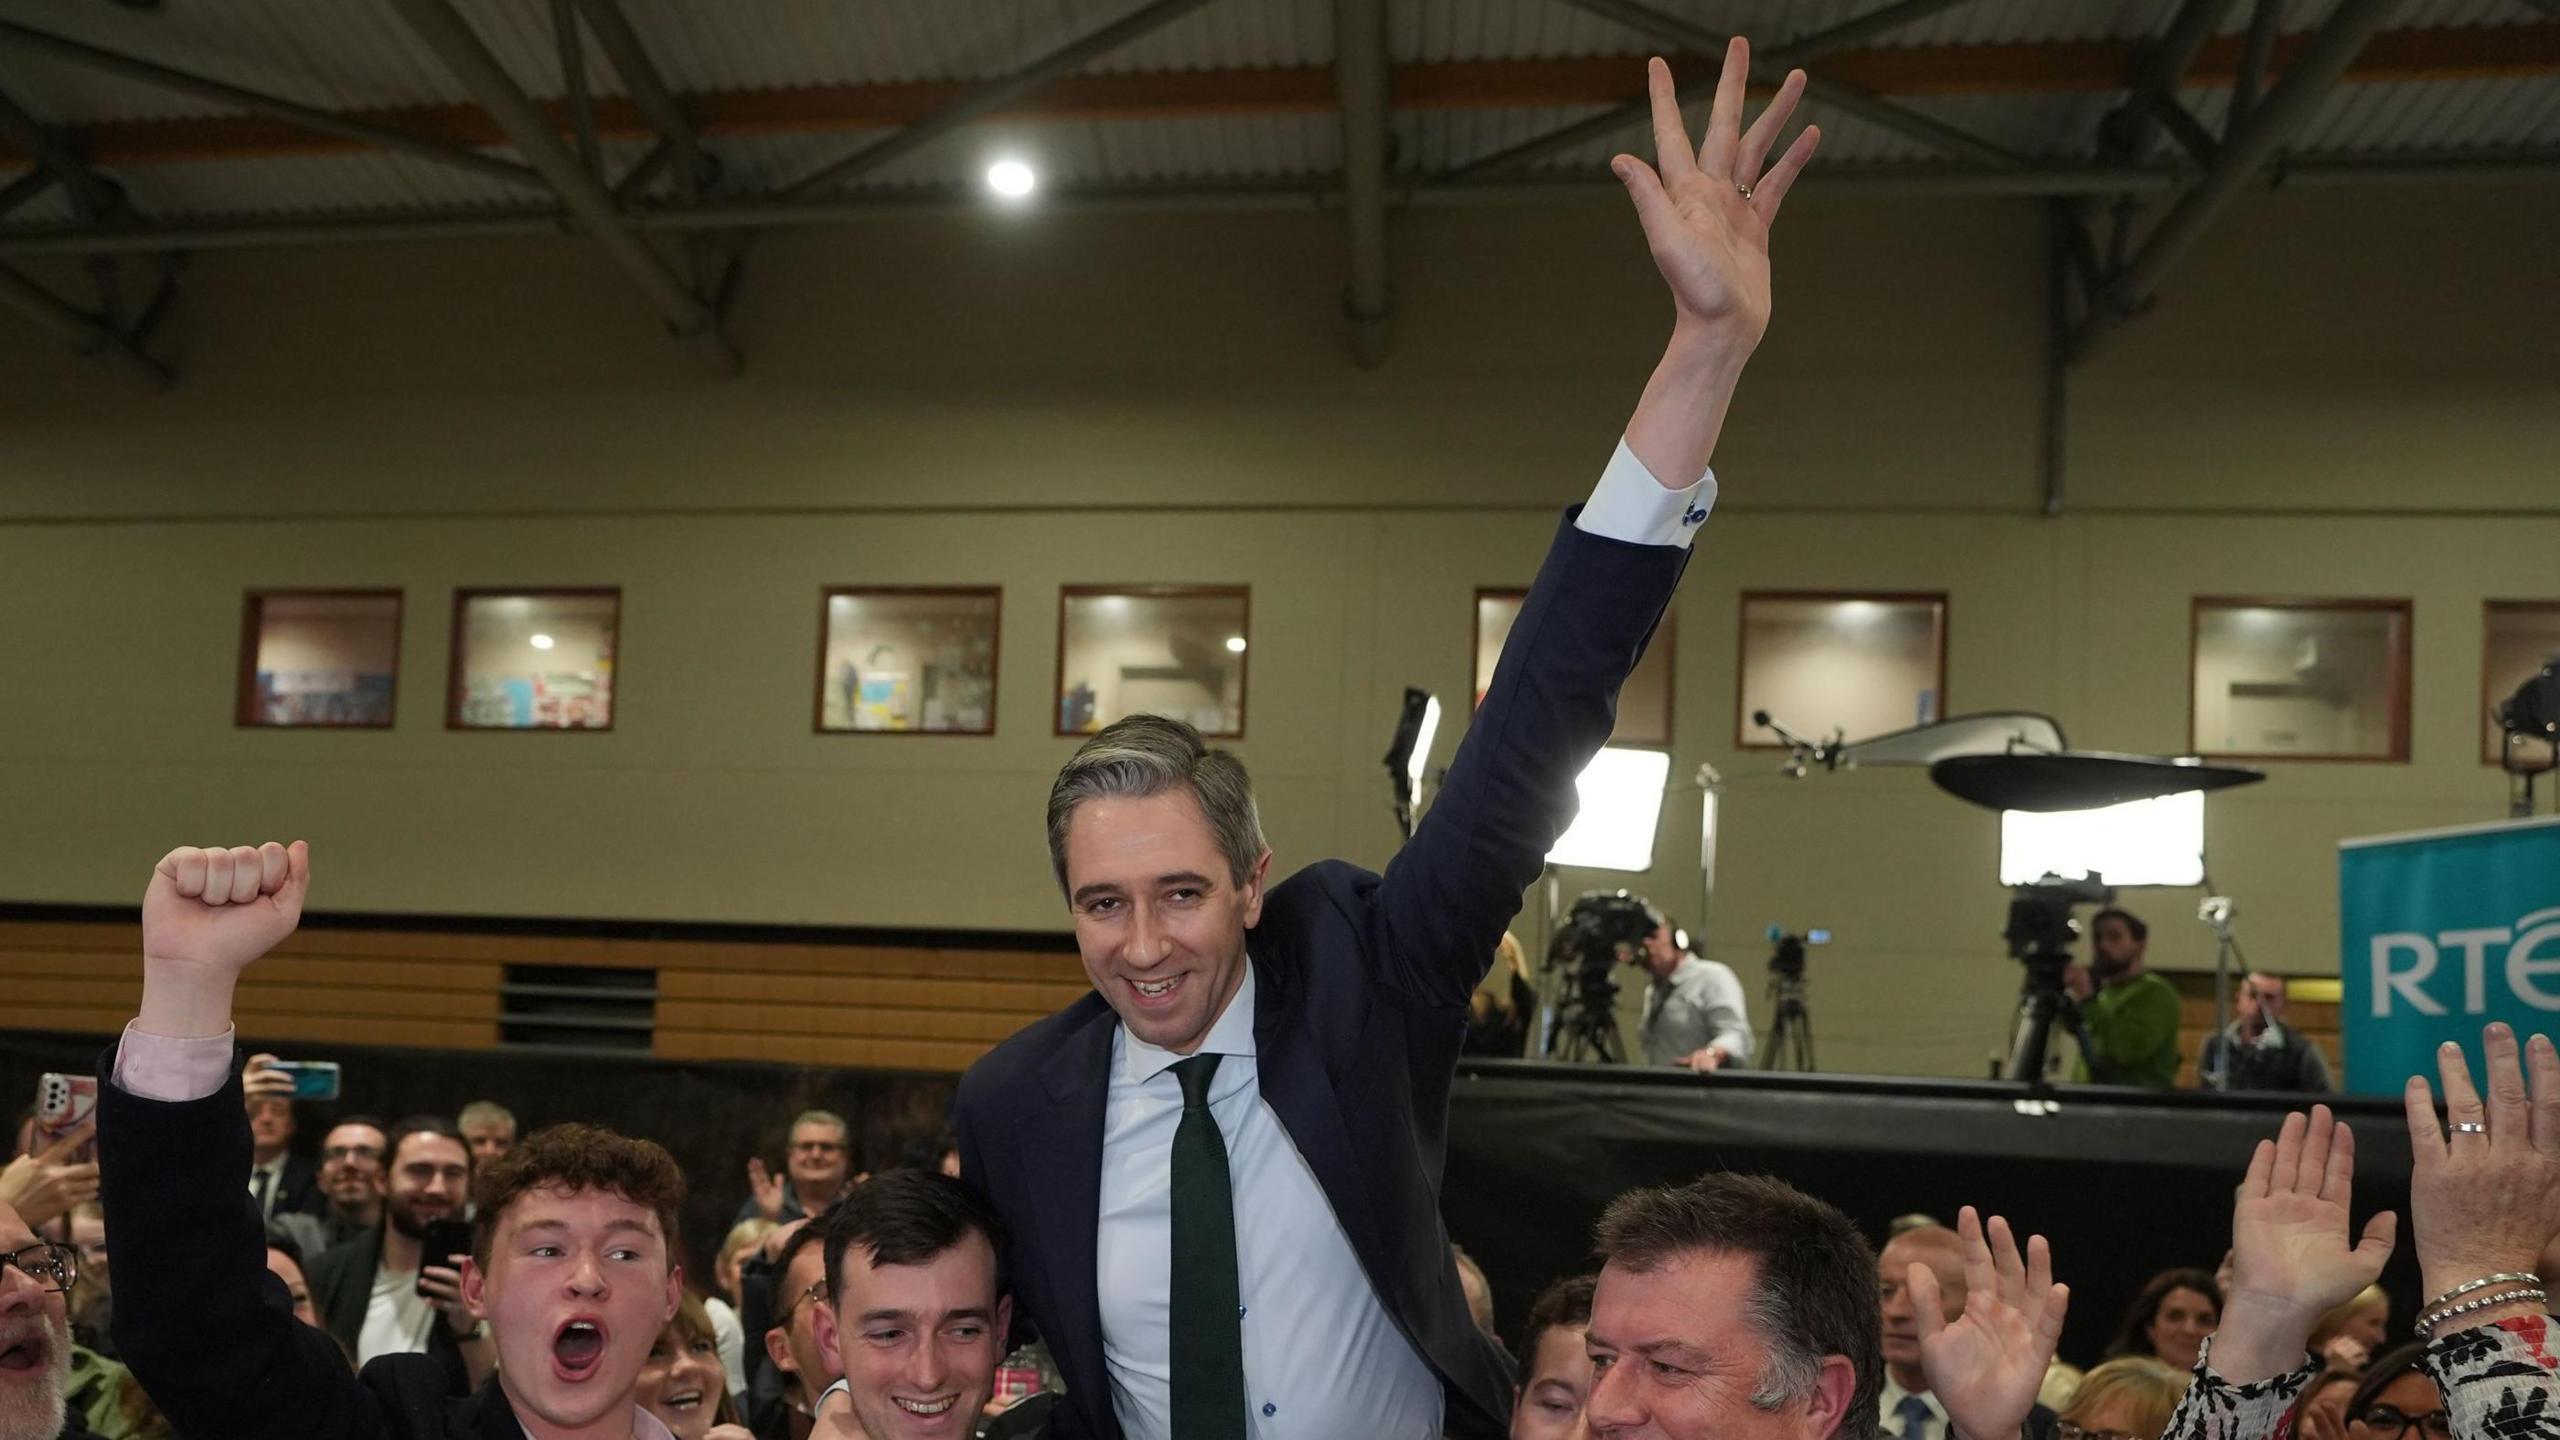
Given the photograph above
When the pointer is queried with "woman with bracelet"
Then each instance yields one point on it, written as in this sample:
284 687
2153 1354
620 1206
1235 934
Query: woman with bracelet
2484 1197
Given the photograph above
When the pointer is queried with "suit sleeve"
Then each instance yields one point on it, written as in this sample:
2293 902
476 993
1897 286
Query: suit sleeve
1440 910
200 1321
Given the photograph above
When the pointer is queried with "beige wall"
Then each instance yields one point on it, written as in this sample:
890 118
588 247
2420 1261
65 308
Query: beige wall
2339 394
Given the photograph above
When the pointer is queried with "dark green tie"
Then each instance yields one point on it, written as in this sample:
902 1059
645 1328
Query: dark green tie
1208 1332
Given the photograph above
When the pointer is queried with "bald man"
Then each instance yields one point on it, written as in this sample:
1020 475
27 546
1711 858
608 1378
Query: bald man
1910 1411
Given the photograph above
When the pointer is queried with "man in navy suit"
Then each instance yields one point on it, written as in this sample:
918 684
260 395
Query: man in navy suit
1221 1170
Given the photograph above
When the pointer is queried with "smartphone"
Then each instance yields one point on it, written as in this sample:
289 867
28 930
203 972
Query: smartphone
312 1079
445 1243
64 1103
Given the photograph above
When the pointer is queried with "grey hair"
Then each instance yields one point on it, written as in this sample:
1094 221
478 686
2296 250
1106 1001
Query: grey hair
1146 755
487 1112
828 1118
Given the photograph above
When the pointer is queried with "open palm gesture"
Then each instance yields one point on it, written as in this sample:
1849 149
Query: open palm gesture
1707 212
1987 1365
2294 1252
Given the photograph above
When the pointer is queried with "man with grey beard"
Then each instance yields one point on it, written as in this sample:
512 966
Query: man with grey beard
35 1334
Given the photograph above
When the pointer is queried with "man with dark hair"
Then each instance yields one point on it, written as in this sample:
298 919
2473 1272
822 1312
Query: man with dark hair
1222 1169
352 1157
785 1382
2259 1049
572 1268
1747 1308
1694 1015
379 1293
282 1182
2128 1016
916 1310
1555 1364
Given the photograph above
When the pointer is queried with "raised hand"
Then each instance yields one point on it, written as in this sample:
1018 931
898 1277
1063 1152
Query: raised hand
206 917
45 1186
218 910
2484 1200
766 1187
1706 213
2294 1255
1987 1366
259 1078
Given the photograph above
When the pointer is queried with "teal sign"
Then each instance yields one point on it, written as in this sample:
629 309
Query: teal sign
2441 933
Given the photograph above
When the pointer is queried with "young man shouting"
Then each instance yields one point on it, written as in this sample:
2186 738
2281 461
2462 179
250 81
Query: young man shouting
572 1268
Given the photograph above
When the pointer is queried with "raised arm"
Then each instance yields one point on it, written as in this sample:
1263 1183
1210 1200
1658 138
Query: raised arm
2484 1198
1987 1365
1706 216
203 1325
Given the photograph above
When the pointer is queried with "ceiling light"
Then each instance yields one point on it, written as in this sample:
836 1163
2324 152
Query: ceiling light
1011 179
541 642
1235 644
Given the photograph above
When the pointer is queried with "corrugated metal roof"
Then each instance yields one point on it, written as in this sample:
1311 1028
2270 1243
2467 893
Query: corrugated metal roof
357 54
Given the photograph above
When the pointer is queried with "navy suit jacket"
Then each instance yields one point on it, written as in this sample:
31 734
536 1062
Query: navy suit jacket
1362 985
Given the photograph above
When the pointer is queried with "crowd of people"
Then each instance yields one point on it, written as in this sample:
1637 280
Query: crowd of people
1203 1202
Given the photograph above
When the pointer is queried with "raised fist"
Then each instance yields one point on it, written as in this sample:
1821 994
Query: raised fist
218 910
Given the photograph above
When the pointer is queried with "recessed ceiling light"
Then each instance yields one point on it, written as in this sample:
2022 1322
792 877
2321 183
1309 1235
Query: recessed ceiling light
541 642
1011 179
1235 644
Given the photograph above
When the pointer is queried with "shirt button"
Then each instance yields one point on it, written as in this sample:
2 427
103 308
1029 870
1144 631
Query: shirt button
1269 1409
1240 1312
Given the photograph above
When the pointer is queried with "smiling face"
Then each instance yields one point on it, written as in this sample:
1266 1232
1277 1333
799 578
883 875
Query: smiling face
351 1166
578 1286
1674 1356
1159 920
680 1382
2179 1327
35 1344
821 1157
429 1179
919 1343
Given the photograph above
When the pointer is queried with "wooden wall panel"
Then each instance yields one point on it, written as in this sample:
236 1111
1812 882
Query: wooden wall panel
923 1007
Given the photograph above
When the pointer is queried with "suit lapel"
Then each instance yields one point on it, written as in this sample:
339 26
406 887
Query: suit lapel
1061 1146
1293 1080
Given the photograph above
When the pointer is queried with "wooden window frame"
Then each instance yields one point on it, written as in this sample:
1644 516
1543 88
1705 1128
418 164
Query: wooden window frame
1244 680
995 656
1742 726
2489 610
453 687
1665 635
2395 681
244 709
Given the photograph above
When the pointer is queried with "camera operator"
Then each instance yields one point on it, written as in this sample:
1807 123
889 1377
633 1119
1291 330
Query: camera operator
2128 1016
1693 1010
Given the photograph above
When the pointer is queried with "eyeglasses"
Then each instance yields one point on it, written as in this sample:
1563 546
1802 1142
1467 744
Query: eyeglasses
823 1147
352 1152
55 1267
817 1290
2069 1431
2391 1424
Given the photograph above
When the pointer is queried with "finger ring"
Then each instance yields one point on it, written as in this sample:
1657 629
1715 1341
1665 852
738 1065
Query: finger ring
1745 189
2470 1127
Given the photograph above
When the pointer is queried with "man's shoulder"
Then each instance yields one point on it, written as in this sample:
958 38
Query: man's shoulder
364 1248
410 1392
1016 1059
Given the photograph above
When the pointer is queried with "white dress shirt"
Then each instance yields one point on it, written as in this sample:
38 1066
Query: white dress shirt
274 1171
1322 1358
1889 1405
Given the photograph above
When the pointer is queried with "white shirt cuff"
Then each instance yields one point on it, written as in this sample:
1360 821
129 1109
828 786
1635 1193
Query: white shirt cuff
166 1067
1629 504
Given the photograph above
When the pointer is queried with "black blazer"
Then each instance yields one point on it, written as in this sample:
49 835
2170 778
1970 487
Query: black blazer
342 1289
1362 987
300 1192
204 1326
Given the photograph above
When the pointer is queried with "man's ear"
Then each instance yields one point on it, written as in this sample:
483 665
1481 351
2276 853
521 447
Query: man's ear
1828 1406
822 1326
475 1281
777 1348
1004 1325
675 1293
1254 882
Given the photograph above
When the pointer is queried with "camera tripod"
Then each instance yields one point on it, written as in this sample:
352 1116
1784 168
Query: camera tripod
1586 1033
1790 1042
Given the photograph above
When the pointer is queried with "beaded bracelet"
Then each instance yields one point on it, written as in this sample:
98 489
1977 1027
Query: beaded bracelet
2510 1277
2428 1324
